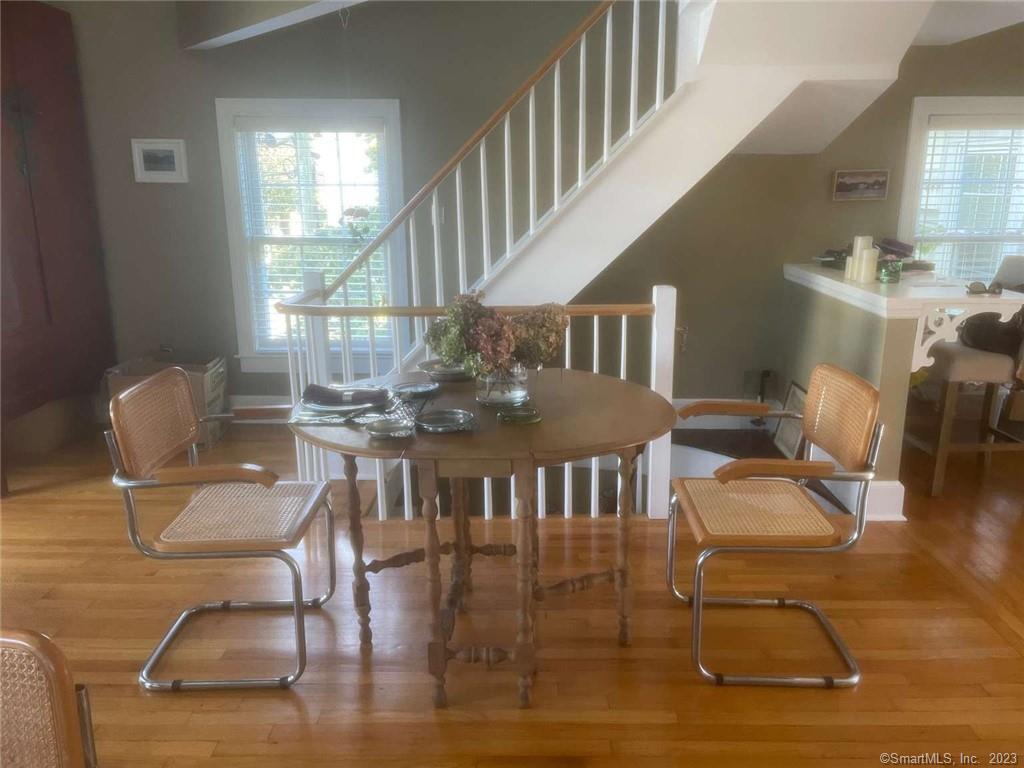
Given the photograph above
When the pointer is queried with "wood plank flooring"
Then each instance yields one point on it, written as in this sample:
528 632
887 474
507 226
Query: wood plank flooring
932 608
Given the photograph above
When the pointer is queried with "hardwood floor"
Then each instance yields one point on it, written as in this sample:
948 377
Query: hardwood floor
932 608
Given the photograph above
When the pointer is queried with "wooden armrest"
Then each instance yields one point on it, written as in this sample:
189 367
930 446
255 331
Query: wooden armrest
793 469
216 473
724 408
211 417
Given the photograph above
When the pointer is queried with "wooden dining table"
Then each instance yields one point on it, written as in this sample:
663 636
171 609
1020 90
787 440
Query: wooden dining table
583 415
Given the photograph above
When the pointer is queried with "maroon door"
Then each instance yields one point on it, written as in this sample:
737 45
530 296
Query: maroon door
56 338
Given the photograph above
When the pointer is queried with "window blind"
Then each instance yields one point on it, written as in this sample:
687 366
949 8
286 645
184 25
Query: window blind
312 200
971 211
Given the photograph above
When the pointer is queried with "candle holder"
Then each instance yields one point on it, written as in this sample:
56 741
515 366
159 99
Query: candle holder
890 271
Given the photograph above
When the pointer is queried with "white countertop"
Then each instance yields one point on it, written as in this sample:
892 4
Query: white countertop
916 294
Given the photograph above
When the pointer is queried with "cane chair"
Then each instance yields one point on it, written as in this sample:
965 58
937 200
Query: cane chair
238 511
761 505
45 721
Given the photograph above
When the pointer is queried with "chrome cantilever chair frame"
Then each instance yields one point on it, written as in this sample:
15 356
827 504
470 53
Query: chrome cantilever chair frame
297 604
697 601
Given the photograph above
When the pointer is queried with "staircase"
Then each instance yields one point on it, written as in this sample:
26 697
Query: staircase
628 112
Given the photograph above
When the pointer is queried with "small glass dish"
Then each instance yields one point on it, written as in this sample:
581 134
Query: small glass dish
412 390
446 420
391 428
438 371
520 414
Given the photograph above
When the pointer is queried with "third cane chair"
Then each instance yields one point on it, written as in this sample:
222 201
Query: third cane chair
45 720
761 506
239 511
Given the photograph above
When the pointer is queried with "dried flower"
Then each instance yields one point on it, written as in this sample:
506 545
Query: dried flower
488 342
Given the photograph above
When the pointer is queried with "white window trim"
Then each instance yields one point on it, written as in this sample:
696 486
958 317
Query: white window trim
333 110
925 108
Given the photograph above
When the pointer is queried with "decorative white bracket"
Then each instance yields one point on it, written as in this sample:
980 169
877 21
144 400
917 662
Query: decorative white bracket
943 324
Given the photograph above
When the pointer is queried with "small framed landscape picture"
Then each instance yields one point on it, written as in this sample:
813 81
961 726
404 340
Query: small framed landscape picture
860 185
160 160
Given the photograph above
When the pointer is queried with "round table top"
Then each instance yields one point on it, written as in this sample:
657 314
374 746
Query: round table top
582 415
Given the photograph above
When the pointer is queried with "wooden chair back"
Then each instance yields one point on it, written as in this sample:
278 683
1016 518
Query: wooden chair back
40 720
840 414
154 421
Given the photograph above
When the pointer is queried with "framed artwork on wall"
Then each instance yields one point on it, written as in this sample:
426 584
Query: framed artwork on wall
160 161
789 432
860 185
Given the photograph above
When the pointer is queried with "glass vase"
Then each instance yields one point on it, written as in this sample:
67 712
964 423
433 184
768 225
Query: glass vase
503 387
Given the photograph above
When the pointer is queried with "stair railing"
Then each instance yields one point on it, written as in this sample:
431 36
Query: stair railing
574 45
311 360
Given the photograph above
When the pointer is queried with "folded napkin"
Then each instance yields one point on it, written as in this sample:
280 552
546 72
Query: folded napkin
351 396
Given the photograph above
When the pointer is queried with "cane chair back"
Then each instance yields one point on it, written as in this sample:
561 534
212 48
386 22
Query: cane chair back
840 414
39 715
154 421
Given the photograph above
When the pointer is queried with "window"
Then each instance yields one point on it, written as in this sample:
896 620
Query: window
963 199
308 184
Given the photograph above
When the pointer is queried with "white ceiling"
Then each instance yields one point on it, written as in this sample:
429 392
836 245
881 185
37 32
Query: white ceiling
951 21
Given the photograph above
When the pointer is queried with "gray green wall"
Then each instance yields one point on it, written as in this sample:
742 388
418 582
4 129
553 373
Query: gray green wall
450 64
723 245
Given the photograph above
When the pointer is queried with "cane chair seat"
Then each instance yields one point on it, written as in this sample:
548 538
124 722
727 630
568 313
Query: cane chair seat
231 517
755 513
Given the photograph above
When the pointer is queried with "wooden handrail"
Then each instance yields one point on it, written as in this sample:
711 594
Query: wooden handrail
398 219
573 310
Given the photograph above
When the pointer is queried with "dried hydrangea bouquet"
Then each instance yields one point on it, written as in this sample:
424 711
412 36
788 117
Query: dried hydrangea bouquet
497 348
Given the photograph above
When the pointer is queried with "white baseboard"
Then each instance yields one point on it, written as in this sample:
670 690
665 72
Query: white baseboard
885 501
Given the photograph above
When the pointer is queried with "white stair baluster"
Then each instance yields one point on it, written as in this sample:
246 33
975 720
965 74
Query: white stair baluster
634 68
623 354
488 499
508 188
581 172
659 93
542 497
460 225
485 209
410 510
438 265
607 87
415 264
532 144
558 135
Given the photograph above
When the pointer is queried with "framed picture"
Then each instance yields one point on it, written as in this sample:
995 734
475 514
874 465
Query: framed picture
789 432
860 185
159 161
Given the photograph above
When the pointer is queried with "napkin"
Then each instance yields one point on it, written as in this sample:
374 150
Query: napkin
349 396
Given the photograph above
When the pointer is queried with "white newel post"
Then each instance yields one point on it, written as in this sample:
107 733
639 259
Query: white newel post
659 461
317 350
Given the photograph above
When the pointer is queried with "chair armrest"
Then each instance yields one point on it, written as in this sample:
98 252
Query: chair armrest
734 408
216 417
724 408
215 473
788 468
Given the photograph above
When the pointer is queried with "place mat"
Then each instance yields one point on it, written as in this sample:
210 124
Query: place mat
395 407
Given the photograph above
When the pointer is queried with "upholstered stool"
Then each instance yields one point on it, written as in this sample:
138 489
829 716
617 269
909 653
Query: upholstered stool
956 364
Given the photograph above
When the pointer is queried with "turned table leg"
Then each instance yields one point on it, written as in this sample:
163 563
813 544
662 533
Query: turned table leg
437 650
623 583
461 562
360 584
525 569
